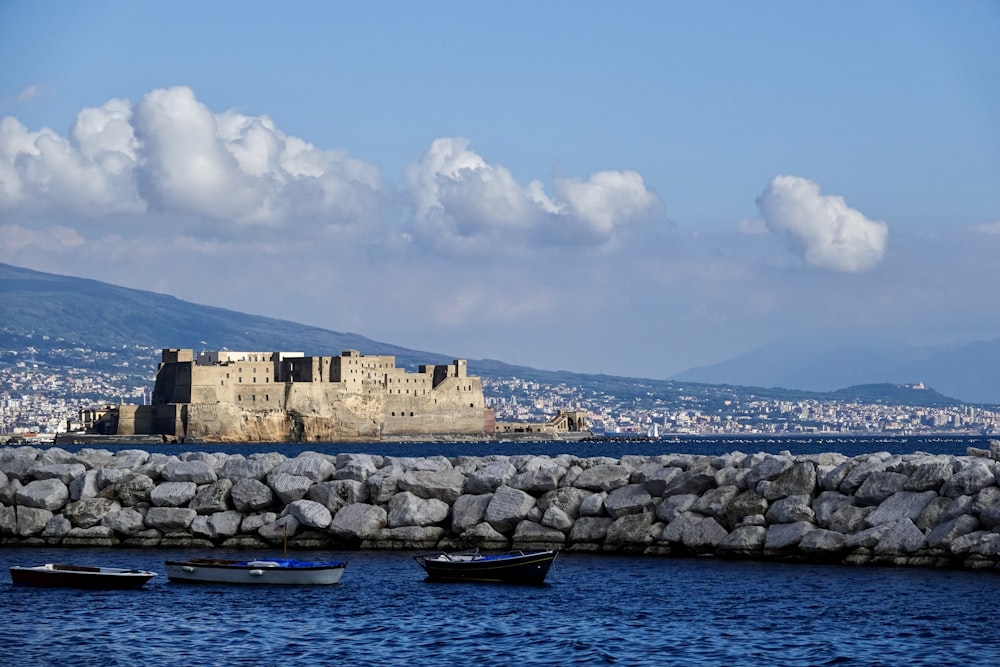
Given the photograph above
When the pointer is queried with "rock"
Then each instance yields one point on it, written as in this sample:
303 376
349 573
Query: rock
715 502
357 522
590 529
64 472
254 522
969 480
849 519
405 537
900 537
310 513
558 519
172 494
784 536
408 509
257 466
283 528
603 478
489 478
540 480
798 479
126 521
198 472
250 495
484 536
130 490
48 494
90 512
355 467
85 485
859 472
657 482
628 499
633 529
689 482
32 520
769 468
901 505
674 506
593 504
743 541
217 525
929 476
944 534
444 485
878 486
529 534
822 541
507 508
213 497
746 503
468 511
289 488
791 509
169 519
312 466
566 498
58 526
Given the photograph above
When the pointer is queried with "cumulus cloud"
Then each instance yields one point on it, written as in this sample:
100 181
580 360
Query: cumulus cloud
463 202
170 154
831 235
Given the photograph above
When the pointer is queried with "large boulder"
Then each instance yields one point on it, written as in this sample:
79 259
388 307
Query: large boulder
444 485
358 521
172 494
507 508
251 495
490 477
90 512
629 499
170 519
289 488
199 472
213 497
603 478
48 494
468 511
314 466
310 513
408 509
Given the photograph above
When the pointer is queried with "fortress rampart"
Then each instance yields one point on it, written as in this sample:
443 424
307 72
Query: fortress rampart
914 510
227 396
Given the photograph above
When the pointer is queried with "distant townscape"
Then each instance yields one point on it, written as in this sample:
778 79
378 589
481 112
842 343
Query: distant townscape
43 390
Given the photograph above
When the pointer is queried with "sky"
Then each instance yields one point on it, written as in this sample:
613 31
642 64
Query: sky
631 188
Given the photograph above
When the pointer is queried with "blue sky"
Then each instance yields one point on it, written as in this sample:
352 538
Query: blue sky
633 189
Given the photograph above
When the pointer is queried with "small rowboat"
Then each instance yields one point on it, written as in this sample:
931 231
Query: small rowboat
264 571
512 567
79 576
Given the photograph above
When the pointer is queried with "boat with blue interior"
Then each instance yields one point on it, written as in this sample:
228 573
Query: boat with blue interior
258 571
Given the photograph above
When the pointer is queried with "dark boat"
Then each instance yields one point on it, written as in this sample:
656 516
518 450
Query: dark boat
512 567
79 576
261 571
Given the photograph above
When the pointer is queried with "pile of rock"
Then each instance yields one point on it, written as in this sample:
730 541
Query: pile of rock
917 509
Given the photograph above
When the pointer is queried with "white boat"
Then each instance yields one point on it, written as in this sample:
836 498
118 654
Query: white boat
79 576
263 571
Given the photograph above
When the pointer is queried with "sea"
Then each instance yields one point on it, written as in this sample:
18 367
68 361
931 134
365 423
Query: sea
594 609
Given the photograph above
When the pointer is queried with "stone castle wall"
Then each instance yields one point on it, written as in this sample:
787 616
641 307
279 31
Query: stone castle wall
916 510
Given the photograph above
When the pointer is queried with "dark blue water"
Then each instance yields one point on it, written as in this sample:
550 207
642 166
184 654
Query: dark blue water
613 447
593 610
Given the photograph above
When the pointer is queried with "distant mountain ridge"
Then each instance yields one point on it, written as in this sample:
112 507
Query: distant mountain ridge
969 371
102 315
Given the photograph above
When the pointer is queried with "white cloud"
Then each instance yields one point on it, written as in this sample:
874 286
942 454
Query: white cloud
29 93
464 203
170 154
832 235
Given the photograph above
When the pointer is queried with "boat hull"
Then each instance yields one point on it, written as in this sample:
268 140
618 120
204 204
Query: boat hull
525 567
80 576
209 571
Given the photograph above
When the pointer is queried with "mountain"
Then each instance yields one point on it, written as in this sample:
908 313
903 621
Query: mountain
52 314
969 371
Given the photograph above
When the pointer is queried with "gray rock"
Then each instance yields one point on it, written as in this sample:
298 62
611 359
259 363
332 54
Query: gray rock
901 505
785 536
629 499
744 541
383 485
251 495
507 508
901 537
791 509
977 475
85 485
283 528
8 520
127 521
944 534
633 529
715 502
859 473
689 482
217 525
254 522
213 497
358 521
312 466
540 480
933 514
409 509
310 514
878 486
767 469
849 519
489 478
257 466
169 519
929 476
198 472
603 478
130 490
64 472
58 526
558 519
746 503
828 502
590 529
593 504
822 541
444 485
830 478
674 506
108 476
468 511
90 512
172 494
289 488
798 479
657 481
484 536
32 520
566 498
980 543
531 534
48 494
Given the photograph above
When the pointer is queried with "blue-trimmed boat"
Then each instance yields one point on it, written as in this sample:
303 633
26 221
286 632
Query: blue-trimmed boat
511 567
52 575
261 571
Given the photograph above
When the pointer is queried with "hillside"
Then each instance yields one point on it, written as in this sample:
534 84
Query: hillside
47 312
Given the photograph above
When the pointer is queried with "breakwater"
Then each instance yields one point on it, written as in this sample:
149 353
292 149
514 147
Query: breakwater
879 508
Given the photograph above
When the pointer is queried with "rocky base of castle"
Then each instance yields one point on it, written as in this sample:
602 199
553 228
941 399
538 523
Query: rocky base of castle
913 510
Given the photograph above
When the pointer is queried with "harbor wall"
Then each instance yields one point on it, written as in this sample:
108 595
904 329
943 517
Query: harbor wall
884 509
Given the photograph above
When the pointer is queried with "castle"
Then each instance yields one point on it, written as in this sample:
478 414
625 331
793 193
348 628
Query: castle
226 396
